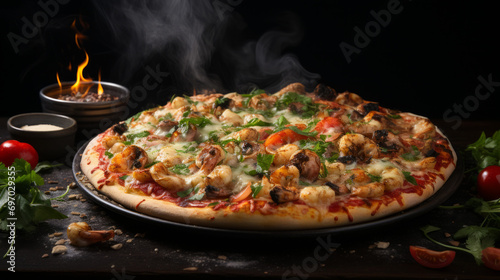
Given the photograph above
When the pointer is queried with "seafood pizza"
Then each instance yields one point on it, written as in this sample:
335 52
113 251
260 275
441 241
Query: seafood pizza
270 161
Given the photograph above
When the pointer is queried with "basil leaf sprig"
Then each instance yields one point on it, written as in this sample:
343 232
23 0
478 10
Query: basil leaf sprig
264 162
200 122
477 237
486 150
21 198
309 109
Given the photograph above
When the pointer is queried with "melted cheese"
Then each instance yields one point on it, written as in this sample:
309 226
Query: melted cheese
227 127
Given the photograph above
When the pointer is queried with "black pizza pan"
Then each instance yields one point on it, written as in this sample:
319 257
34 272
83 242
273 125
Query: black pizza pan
443 194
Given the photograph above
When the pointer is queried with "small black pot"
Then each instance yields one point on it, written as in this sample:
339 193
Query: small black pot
88 115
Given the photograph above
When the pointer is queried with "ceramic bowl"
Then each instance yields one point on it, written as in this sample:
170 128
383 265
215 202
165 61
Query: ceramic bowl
50 144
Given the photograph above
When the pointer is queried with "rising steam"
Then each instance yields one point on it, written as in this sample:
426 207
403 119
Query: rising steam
202 45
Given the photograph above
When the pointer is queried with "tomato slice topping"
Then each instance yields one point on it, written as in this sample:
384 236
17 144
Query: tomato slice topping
430 258
283 137
491 258
329 124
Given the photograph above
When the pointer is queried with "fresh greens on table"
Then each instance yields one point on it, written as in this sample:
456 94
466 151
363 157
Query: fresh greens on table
21 199
479 240
486 150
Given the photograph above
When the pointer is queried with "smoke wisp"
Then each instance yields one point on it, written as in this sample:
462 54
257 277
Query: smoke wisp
201 48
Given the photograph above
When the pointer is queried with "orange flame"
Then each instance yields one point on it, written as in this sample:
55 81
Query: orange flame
77 87
78 35
59 83
100 90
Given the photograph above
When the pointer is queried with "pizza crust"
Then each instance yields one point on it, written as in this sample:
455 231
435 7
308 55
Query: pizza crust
297 217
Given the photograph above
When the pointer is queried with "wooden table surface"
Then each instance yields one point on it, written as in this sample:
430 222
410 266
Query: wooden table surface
151 251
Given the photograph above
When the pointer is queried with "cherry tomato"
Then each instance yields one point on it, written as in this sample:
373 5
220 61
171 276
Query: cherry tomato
283 137
491 257
488 182
12 149
430 258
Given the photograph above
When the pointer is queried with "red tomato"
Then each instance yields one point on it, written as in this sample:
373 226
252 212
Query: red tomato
488 182
432 259
12 149
283 137
491 258
264 133
329 124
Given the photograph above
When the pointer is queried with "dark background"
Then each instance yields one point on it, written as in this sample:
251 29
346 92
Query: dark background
426 60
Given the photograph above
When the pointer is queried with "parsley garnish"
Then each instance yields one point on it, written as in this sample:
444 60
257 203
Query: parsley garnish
410 178
264 162
374 178
309 109
32 205
486 150
257 122
187 192
249 96
188 148
189 100
151 164
108 154
220 101
281 122
181 169
256 189
131 137
201 122
413 155
133 118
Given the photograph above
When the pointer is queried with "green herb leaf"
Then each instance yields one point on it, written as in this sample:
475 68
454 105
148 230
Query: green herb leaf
264 162
31 205
486 150
151 164
220 101
297 130
257 122
180 169
45 165
374 178
189 100
185 193
132 137
256 189
200 122
281 122
133 118
429 228
249 96
395 116
309 109
477 239
197 195
413 155
410 178
108 154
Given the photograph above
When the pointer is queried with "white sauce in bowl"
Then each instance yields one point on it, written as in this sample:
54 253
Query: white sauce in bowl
41 127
